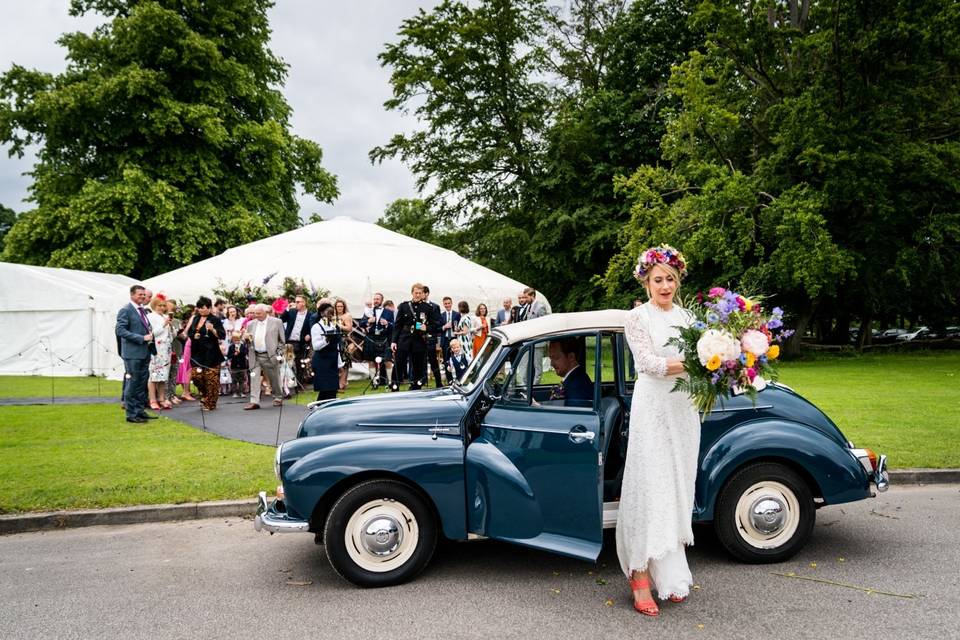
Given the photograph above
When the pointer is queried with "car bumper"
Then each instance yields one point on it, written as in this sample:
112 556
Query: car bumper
879 476
272 518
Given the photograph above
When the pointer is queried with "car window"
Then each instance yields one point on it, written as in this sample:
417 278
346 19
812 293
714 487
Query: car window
514 378
575 387
627 362
608 347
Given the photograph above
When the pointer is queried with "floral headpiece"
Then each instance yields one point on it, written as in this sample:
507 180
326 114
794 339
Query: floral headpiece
664 254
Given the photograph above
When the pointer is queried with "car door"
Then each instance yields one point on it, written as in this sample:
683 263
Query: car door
533 472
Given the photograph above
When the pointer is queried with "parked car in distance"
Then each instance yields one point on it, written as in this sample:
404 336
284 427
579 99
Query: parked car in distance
952 332
917 334
888 336
378 479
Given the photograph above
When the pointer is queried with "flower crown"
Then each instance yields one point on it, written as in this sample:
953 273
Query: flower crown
664 254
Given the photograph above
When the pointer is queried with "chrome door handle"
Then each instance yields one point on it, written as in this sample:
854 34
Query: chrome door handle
579 434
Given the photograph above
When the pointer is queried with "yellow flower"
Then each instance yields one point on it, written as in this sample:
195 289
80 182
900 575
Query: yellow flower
713 363
748 305
773 352
750 359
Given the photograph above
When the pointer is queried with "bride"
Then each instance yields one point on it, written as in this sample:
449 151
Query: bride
656 503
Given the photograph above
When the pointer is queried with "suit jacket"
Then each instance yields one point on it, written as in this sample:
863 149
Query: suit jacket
577 389
130 330
372 328
453 325
289 318
536 310
273 337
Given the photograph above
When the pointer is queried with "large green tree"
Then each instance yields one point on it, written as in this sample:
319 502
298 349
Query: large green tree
815 154
7 217
166 140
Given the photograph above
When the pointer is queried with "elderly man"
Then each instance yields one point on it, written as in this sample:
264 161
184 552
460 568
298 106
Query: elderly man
266 337
504 314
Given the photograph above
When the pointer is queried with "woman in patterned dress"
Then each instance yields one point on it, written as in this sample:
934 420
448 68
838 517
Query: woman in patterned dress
161 327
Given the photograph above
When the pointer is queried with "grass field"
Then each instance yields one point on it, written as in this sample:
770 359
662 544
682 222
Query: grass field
904 405
88 456
45 386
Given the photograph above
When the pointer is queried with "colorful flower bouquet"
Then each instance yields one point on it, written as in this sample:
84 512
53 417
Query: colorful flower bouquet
730 348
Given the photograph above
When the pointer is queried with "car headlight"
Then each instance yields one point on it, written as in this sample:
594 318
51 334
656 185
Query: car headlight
276 462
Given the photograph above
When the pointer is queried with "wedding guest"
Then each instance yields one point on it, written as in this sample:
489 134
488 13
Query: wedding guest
162 329
503 315
185 372
248 315
238 363
448 324
176 345
218 308
519 312
378 327
136 342
206 333
465 327
661 464
347 345
232 321
536 309
325 337
266 335
297 321
481 328
434 352
458 362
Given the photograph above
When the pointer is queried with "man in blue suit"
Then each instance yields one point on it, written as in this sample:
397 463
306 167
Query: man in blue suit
576 388
297 322
449 318
136 347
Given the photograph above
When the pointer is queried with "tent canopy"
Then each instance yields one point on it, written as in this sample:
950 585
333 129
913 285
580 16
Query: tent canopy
351 259
59 321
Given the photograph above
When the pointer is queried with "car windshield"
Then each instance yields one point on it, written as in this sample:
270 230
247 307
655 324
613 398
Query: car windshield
472 375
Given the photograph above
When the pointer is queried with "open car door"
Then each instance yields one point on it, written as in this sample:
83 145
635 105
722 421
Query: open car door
533 471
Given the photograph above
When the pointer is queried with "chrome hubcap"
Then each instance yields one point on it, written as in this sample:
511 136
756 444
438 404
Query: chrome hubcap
381 535
768 515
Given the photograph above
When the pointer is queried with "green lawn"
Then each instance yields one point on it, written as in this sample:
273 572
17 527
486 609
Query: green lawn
904 405
88 456
45 386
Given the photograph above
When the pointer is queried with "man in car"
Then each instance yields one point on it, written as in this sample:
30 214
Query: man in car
575 388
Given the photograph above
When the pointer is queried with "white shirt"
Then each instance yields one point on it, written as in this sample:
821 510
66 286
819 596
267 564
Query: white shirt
298 326
260 336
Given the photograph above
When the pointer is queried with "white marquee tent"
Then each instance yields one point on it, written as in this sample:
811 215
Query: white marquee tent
349 258
59 321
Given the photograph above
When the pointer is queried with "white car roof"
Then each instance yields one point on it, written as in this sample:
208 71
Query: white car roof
561 323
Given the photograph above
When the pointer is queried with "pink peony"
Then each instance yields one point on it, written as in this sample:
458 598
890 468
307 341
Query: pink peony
716 292
751 373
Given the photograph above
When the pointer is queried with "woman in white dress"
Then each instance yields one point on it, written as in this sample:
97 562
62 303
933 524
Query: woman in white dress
656 502
161 326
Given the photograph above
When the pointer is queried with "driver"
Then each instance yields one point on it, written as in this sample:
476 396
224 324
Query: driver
576 388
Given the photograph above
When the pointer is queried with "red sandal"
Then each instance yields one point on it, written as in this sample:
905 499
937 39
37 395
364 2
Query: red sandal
646 607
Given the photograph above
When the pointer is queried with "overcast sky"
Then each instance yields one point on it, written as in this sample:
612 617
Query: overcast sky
335 87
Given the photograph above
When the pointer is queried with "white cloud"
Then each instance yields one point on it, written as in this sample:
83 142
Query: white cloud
335 86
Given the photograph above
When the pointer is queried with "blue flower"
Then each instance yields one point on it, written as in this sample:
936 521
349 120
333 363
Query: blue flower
715 378
699 325
712 317
774 323
743 358
777 312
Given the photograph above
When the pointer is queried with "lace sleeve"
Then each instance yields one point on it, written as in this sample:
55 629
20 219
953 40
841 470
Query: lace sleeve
635 330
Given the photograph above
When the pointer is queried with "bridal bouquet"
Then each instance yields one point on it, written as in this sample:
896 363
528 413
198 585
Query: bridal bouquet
731 347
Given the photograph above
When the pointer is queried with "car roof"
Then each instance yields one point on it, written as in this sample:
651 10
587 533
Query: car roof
555 323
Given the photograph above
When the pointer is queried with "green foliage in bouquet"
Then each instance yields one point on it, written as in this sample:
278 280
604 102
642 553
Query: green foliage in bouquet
238 296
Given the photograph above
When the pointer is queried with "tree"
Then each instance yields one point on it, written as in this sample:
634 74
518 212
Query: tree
815 154
165 141
471 76
7 217
413 218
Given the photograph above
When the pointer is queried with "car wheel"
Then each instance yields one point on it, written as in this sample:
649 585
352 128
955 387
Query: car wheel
765 513
380 533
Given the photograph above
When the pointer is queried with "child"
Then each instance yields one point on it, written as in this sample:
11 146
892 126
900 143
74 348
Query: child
288 371
237 362
459 360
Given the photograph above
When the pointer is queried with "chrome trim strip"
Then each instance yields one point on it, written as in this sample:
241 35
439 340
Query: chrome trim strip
424 425
610 512
515 428
759 406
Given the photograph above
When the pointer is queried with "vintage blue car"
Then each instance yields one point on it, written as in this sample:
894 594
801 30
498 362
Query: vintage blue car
378 478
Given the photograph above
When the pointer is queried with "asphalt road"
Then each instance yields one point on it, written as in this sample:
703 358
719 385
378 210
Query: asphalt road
220 579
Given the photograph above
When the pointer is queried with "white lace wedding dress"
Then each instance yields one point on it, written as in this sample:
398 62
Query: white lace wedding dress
656 501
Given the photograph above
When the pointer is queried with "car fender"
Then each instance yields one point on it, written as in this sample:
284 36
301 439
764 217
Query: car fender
837 475
435 466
